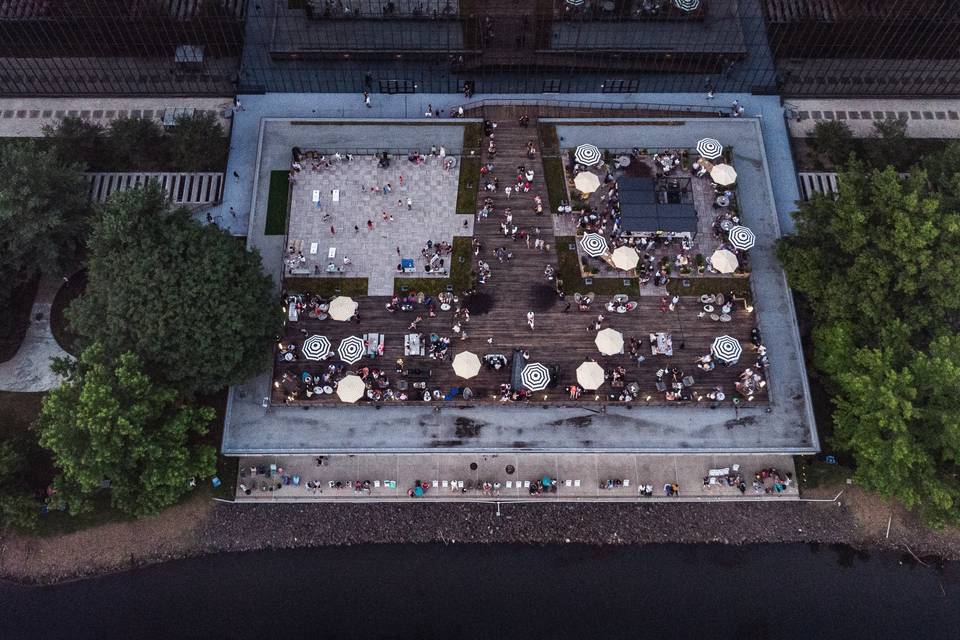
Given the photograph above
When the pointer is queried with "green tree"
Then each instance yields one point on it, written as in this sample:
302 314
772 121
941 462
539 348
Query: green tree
43 213
943 171
888 145
18 506
137 144
77 140
876 266
185 297
833 140
199 143
109 427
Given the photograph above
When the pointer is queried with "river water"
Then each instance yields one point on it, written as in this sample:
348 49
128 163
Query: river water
495 592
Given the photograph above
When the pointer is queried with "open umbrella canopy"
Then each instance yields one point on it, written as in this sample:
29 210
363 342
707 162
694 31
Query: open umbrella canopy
687 5
609 341
342 308
723 174
350 388
594 244
587 154
586 182
590 375
724 261
316 347
351 349
709 148
466 364
535 376
625 258
726 349
742 238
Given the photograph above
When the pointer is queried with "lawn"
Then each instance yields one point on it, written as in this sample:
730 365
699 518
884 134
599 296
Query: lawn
468 185
278 204
327 287
549 142
568 270
556 182
16 318
461 273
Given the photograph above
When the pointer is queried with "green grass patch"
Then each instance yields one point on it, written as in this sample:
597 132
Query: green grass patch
327 287
468 185
549 141
812 472
704 286
472 137
461 273
278 204
556 183
568 270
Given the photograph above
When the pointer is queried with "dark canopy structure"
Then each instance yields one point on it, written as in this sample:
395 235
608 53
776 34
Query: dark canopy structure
663 205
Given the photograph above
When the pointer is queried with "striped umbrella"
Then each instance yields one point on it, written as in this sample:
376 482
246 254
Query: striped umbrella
742 238
587 154
576 3
351 349
593 244
709 148
687 5
726 349
316 347
535 376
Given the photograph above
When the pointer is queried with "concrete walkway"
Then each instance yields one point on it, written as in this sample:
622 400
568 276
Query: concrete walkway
452 477
926 118
29 370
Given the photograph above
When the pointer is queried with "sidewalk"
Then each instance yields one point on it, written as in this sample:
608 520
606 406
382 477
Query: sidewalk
29 370
926 118
456 477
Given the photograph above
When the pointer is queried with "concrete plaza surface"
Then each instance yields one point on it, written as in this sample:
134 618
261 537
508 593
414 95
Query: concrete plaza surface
459 477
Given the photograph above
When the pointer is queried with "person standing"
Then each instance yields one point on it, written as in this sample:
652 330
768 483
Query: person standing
530 319
409 204
366 99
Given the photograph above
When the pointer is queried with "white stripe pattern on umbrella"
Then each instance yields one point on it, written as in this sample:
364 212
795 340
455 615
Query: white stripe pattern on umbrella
594 244
316 347
726 349
742 238
587 154
687 5
535 376
351 349
709 148
576 3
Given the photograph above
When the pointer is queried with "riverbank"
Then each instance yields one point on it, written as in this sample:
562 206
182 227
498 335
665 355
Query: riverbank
200 526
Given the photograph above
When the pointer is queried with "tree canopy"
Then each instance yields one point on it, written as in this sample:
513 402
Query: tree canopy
109 427
187 298
198 142
878 267
43 213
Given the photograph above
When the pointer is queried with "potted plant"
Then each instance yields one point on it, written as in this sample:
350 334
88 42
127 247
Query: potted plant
701 263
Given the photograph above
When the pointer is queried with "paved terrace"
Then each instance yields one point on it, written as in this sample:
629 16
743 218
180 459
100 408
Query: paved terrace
784 426
461 477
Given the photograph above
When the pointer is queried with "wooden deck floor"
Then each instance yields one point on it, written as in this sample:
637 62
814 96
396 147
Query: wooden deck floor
562 338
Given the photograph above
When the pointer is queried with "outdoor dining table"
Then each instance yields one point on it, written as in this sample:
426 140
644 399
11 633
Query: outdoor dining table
327 389
725 317
707 298
288 356
622 309
708 308
727 224
444 307
723 201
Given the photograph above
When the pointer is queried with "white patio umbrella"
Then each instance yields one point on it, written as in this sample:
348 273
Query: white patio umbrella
709 148
687 5
535 376
742 238
723 174
609 341
590 375
351 388
726 349
316 347
342 308
576 3
724 261
351 349
586 182
587 154
593 244
625 258
466 364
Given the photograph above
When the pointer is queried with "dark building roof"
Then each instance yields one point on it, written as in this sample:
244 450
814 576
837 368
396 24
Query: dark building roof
641 212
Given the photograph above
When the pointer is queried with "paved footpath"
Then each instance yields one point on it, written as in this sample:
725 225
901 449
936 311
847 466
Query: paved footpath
926 118
29 370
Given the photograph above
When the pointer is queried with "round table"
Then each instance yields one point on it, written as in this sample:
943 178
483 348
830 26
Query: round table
727 224
621 309
714 317
623 161
288 356
318 390
725 317
720 396
444 307
707 298
708 308
723 201
328 389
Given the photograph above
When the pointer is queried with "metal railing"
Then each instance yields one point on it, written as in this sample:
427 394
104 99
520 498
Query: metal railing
598 105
